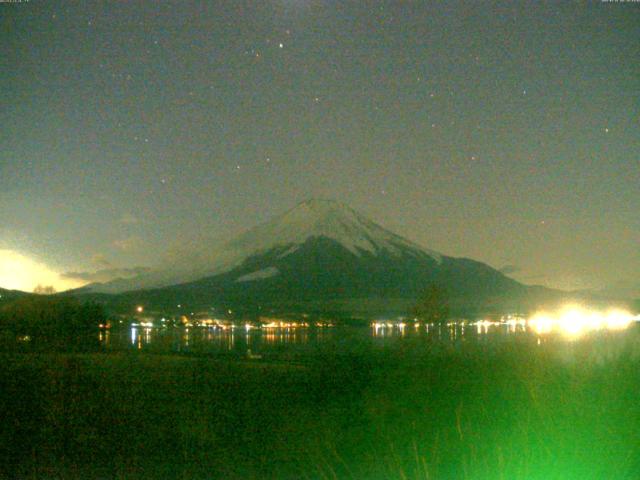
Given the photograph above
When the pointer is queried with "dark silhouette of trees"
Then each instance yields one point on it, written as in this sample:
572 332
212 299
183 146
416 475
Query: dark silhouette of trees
51 321
432 305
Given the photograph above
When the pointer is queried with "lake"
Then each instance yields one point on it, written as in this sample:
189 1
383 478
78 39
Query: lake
296 343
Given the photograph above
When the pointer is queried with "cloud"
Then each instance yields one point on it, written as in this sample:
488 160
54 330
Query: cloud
104 275
19 272
622 289
510 269
539 276
129 219
101 261
127 244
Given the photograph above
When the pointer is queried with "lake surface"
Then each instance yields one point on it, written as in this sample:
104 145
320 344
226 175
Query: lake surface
296 343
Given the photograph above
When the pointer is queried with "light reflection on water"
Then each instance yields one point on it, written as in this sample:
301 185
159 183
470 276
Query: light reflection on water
292 342
207 339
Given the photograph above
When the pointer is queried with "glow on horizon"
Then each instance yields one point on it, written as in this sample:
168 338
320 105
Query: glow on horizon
19 272
575 320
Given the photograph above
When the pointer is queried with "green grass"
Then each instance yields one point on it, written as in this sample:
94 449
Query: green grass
510 412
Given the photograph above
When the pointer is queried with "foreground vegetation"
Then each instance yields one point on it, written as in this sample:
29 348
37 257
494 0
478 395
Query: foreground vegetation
476 412
48 322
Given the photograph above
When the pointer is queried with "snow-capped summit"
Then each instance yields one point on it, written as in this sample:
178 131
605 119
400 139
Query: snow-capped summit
327 219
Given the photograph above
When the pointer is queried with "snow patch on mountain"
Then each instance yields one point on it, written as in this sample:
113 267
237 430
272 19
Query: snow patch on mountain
259 274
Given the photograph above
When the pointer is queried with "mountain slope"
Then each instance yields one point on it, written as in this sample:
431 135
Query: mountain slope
7 296
323 269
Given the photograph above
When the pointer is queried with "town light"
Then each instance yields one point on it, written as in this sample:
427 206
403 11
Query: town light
575 320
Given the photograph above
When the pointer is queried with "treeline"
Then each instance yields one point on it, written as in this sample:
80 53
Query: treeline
59 322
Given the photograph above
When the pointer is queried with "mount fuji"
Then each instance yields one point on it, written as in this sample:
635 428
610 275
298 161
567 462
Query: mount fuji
321 255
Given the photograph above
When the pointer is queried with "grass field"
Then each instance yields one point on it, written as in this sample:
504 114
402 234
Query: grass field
512 412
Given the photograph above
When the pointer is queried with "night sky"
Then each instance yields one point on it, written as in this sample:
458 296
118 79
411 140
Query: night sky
508 132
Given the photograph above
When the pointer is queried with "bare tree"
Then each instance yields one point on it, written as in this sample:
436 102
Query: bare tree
44 290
